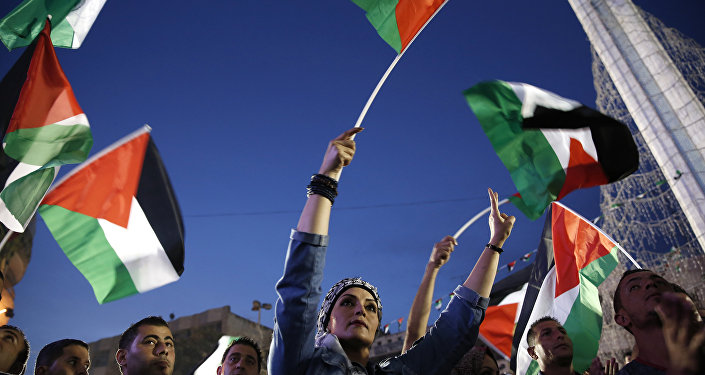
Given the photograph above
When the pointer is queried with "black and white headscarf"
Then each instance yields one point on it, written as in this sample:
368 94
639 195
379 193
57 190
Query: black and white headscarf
335 292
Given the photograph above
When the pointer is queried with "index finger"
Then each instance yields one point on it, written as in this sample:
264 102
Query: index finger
493 201
348 134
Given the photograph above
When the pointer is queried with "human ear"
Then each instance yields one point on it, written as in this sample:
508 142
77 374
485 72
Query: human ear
121 357
621 319
532 352
41 370
219 371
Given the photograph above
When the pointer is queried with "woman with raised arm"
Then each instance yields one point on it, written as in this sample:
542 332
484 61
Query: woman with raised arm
337 338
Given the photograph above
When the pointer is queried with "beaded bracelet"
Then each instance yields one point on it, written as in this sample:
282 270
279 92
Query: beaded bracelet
324 186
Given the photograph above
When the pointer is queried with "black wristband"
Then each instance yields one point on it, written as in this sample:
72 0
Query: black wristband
498 249
324 186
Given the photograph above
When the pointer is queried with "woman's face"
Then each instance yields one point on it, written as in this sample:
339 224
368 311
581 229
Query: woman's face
489 366
354 317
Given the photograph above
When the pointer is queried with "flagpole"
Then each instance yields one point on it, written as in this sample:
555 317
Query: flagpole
477 216
5 239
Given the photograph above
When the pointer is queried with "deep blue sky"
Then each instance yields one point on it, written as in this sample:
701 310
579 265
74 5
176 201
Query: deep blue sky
243 96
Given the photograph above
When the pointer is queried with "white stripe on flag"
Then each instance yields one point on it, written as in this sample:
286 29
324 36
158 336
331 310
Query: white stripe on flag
79 119
546 305
557 139
140 251
532 96
210 365
81 19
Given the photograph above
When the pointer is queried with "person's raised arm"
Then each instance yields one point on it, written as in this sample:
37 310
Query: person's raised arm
482 276
316 213
421 307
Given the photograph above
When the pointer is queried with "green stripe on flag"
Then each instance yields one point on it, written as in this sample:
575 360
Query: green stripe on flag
54 144
584 322
22 196
62 34
382 15
530 159
21 26
83 241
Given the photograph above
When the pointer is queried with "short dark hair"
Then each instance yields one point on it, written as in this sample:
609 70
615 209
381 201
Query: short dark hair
531 335
617 298
129 335
244 340
20 365
50 352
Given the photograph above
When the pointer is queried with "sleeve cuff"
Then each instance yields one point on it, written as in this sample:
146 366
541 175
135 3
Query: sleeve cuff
471 296
309 238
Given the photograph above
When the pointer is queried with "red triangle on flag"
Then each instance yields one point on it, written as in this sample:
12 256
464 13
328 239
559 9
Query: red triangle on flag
104 186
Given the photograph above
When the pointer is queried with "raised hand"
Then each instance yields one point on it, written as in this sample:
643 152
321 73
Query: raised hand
610 368
683 333
339 153
500 223
441 251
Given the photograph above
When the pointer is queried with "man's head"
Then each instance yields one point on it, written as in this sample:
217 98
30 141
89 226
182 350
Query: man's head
147 348
637 294
14 350
242 357
549 343
63 357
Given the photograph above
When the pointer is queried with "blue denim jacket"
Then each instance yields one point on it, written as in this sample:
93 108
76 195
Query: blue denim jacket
293 349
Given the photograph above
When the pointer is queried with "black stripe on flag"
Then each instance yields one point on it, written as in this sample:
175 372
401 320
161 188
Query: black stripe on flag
542 263
10 89
616 151
158 201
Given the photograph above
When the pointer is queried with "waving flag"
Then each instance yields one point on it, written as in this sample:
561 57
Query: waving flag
550 145
584 256
46 128
399 321
71 20
438 304
399 21
116 218
386 329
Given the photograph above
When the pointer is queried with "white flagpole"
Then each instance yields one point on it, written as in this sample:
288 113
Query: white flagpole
391 67
477 216
5 239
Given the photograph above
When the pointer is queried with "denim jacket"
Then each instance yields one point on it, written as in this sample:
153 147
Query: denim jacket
293 349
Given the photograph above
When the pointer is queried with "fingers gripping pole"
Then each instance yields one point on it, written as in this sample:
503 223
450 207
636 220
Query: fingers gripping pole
477 216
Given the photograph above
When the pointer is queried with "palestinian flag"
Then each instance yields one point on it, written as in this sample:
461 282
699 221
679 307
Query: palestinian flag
550 145
399 21
117 219
511 265
386 329
506 297
71 20
584 256
46 128
438 304
525 257
399 321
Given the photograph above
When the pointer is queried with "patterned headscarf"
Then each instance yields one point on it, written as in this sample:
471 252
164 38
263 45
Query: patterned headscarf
335 292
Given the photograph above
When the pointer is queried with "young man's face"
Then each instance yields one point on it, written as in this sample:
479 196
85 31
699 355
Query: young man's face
150 353
11 344
73 361
552 344
241 360
640 293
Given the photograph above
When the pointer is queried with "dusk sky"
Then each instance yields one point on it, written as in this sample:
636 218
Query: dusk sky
242 98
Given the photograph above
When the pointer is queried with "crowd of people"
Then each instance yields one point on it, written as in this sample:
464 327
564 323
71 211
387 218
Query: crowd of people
336 338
